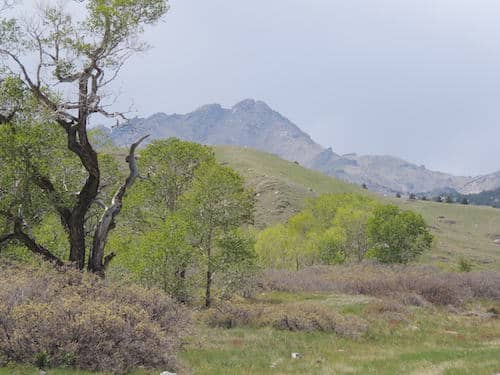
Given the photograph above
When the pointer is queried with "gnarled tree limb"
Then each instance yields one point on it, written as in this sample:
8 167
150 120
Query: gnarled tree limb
97 261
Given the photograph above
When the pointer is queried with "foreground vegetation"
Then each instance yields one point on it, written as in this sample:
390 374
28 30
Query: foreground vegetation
366 319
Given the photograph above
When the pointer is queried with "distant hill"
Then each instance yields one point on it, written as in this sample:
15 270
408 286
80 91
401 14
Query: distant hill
485 198
283 187
386 174
253 124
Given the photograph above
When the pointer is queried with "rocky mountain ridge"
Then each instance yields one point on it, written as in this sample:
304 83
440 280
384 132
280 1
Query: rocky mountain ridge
254 124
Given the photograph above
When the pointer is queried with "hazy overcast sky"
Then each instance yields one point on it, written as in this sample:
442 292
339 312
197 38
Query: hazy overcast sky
419 79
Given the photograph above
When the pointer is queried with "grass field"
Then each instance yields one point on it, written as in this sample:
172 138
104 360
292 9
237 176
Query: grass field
423 341
283 187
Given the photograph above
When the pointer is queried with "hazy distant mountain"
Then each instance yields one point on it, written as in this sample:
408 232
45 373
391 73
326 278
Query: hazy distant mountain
253 124
249 123
385 173
482 183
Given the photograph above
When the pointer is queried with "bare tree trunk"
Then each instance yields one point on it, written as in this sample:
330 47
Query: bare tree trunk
208 297
97 261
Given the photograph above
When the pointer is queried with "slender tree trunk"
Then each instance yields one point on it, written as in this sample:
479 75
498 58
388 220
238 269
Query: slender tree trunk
208 297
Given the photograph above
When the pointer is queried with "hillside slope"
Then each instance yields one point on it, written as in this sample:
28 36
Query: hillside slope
283 188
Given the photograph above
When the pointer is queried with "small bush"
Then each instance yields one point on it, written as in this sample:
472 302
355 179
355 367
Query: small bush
303 317
75 319
464 265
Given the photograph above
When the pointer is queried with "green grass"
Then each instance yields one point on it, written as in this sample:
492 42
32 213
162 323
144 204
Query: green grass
460 231
426 341
283 187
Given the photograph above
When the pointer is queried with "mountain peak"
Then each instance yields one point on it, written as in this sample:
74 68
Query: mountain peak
249 123
210 108
248 105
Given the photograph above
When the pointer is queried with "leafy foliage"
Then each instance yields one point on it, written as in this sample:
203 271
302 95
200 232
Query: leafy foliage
397 236
186 217
338 228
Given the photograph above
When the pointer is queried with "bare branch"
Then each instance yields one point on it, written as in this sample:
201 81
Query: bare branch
107 222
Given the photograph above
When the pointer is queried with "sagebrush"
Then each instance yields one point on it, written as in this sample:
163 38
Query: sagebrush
75 319
410 284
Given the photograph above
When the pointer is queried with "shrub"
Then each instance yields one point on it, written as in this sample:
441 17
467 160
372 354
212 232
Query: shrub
464 264
303 317
412 285
70 318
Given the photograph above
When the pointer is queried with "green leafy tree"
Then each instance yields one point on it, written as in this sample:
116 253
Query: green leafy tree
353 223
397 236
332 245
216 204
164 256
275 248
80 56
170 166
331 229
235 263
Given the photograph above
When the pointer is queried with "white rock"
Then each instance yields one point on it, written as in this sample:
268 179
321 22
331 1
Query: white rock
296 355
168 373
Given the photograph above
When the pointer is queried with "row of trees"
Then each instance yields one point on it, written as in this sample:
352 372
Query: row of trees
344 228
438 198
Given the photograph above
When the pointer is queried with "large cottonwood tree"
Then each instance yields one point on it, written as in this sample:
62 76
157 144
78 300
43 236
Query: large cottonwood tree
56 67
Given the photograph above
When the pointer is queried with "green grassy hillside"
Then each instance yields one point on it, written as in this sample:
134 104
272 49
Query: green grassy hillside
283 187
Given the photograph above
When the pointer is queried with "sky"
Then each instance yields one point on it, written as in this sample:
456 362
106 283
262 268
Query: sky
418 79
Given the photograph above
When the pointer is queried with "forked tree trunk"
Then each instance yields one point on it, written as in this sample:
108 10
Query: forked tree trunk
97 261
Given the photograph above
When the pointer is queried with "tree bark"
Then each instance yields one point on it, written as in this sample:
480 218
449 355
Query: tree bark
208 296
97 261
31 244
